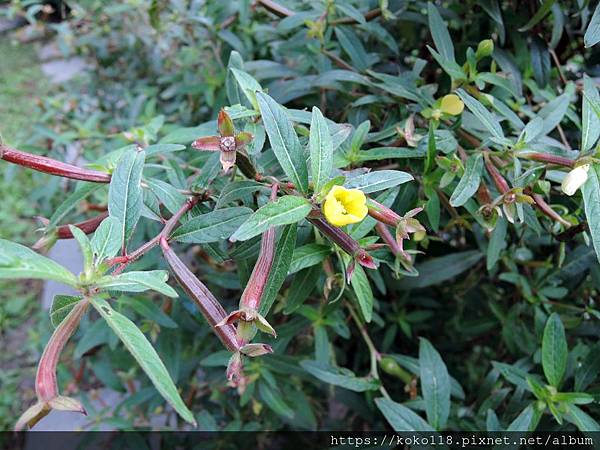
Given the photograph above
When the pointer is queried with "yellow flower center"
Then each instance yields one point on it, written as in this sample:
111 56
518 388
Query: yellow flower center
345 206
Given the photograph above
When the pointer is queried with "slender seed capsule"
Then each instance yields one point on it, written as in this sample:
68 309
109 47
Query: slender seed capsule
209 306
46 387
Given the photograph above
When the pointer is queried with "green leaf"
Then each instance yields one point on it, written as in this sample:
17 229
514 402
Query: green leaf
163 148
400 417
592 34
85 246
378 180
591 202
437 270
553 112
590 123
125 197
554 350
238 190
364 294
321 150
581 420
497 242
274 400
106 242
248 84
435 385
213 226
145 308
61 307
301 287
538 16
308 255
286 210
439 33
279 270
167 194
469 183
20 262
488 120
339 376
284 141
138 282
71 202
145 355
523 421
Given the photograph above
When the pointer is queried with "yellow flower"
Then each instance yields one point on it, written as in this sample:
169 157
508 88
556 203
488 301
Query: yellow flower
345 206
452 104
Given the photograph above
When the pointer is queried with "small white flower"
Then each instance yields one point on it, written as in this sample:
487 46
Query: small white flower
575 179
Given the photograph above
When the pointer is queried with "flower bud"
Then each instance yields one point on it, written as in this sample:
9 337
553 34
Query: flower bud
485 48
575 179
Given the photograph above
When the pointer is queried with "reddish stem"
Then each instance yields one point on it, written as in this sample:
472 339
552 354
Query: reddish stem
51 166
382 213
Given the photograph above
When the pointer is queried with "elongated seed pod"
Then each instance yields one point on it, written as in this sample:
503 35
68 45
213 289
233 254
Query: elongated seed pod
209 306
52 166
45 380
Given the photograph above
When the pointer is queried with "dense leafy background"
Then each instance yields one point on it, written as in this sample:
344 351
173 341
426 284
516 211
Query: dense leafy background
501 317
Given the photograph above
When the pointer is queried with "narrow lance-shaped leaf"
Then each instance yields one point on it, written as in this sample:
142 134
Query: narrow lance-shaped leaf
143 352
590 123
554 350
400 417
138 282
435 384
486 118
321 150
468 184
592 34
286 210
591 201
106 242
213 226
125 197
20 262
284 141
439 33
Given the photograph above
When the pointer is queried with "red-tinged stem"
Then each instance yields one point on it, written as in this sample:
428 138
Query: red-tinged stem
260 274
387 237
51 166
209 306
165 232
46 387
483 195
550 159
382 213
87 226
546 209
346 243
499 180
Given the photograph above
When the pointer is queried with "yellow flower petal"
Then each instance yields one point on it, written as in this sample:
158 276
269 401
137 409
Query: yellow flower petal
452 104
345 206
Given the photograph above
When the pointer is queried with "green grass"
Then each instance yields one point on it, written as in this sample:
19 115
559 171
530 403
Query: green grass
21 84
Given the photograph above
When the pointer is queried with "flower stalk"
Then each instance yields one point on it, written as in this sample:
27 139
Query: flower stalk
51 166
499 181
